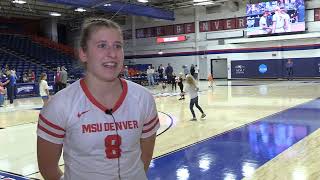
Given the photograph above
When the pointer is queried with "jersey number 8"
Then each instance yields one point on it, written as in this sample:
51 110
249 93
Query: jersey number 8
112 144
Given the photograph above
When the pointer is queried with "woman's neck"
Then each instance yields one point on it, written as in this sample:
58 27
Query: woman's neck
106 92
99 86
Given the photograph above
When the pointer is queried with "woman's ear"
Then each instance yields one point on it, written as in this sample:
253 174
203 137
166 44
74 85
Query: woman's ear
82 55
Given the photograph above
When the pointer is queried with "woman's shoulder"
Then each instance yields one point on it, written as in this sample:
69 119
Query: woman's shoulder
137 89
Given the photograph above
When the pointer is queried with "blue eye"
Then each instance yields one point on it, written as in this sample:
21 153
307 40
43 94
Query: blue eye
118 46
102 45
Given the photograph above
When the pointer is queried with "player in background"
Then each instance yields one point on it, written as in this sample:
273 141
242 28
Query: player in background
44 88
174 82
180 84
263 23
105 126
192 89
286 19
277 21
210 80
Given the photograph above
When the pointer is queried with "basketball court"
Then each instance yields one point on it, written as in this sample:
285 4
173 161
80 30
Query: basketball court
252 130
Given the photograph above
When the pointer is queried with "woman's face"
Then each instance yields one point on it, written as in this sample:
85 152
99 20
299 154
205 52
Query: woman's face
104 54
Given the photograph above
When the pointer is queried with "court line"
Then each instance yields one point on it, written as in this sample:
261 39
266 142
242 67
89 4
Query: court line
18 175
171 123
22 124
39 172
241 126
185 159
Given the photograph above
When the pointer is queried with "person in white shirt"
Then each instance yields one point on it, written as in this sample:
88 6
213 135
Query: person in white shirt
106 126
44 88
264 28
196 72
150 76
192 89
278 21
286 19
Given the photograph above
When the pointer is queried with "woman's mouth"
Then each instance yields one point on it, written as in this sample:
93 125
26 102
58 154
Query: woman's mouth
110 64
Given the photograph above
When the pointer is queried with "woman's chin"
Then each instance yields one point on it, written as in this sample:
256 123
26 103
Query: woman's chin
109 77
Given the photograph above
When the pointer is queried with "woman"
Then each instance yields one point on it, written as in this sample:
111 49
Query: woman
105 132
192 89
210 80
44 88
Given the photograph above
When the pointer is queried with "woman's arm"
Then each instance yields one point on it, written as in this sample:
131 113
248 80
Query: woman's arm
48 159
47 90
147 147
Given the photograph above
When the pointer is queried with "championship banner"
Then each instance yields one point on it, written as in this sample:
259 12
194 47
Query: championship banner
204 26
241 22
230 24
168 30
150 32
189 28
140 33
179 29
160 31
217 25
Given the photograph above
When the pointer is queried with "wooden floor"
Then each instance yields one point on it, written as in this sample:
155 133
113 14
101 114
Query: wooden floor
228 105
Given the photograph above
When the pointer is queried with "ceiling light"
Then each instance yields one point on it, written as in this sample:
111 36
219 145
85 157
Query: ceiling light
54 14
203 3
196 1
80 10
143 1
107 5
19 1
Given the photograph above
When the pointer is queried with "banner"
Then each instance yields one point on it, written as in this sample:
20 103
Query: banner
189 28
275 68
26 89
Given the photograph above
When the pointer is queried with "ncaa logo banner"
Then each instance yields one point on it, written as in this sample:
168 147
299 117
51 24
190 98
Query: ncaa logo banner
263 68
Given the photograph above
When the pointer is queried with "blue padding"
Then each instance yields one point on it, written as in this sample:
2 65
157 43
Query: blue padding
78 3
122 7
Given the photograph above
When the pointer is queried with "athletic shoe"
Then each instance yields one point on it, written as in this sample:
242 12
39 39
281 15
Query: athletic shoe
203 115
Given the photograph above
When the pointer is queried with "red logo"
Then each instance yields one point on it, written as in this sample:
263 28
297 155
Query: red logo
82 113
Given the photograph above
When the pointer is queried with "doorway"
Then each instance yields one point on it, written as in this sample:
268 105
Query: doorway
219 68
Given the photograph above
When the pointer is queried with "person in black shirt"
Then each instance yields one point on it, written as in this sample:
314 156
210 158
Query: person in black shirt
180 84
192 70
160 71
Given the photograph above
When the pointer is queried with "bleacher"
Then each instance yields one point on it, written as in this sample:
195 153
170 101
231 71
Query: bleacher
21 65
27 52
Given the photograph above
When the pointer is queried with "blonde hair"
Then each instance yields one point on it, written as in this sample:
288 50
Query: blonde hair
92 24
191 81
42 76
